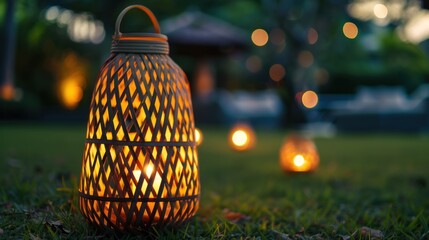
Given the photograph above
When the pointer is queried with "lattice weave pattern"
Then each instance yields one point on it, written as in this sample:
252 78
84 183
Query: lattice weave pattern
140 165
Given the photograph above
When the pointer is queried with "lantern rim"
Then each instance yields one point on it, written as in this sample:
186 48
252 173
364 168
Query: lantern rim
141 37
155 43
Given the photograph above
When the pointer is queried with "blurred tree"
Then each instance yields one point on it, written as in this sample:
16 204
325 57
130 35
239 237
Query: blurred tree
8 49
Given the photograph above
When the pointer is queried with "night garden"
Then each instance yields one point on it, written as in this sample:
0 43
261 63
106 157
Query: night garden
214 120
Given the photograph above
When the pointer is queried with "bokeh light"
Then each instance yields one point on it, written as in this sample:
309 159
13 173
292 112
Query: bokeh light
277 36
312 36
309 99
298 160
277 72
81 27
350 30
198 136
259 37
305 59
241 137
380 10
65 17
71 92
254 64
52 13
7 92
321 76
416 29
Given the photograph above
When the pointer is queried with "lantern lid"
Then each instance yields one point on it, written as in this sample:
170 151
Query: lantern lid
139 42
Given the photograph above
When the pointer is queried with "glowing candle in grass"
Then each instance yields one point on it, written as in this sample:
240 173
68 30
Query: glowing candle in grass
241 137
298 154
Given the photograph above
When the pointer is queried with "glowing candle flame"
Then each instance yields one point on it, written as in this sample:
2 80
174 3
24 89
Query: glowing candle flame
298 154
239 137
298 160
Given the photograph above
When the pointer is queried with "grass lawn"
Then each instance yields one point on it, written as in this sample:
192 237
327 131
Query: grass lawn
367 186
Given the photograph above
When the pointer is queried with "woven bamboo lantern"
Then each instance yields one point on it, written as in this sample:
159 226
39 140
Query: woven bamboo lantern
140 165
241 137
298 154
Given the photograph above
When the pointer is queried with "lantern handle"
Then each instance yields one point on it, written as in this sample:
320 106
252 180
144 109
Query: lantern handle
144 9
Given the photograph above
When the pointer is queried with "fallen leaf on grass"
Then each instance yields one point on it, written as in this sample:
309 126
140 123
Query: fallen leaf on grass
301 231
57 226
371 233
234 217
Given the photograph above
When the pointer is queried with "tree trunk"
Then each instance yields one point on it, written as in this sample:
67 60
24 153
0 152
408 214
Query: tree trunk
7 68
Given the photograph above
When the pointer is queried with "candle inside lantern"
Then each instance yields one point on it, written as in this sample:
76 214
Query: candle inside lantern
298 160
300 164
156 182
154 190
298 154
136 174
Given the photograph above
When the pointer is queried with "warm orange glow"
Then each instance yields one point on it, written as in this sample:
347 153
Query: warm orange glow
259 37
140 163
298 154
350 30
156 182
241 137
298 160
7 92
204 80
309 99
380 10
277 72
70 74
198 136
137 174
312 36
305 59
71 92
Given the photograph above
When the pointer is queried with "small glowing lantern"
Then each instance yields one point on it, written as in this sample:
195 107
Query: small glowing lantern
298 154
140 165
241 137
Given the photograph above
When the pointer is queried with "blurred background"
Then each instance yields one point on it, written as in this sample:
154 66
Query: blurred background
330 65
